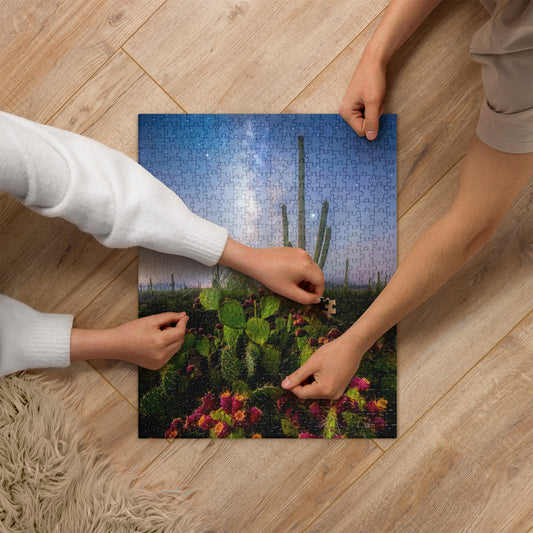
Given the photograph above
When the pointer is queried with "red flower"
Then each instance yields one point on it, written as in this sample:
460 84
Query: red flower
379 423
206 422
193 419
301 321
177 423
222 430
308 436
334 333
226 401
255 415
341 403
300 333
314 409
361 384
237 402
371 407
209 402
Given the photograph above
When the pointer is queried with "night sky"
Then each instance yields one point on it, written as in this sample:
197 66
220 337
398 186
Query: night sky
237 170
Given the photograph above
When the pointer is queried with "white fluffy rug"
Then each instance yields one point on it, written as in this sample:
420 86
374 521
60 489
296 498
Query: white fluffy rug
55 478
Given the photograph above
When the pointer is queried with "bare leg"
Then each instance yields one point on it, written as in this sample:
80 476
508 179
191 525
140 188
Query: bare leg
489 182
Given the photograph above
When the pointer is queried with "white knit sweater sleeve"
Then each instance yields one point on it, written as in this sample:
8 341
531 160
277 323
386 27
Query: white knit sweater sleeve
30 339
102 191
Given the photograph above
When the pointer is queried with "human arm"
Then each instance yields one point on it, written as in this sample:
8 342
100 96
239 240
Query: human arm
361 106
489 182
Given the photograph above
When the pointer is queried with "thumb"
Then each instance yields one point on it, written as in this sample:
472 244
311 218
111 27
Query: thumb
176 334
372 121
163 319
299 376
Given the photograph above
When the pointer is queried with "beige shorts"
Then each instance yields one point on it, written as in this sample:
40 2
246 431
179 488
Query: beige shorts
504 47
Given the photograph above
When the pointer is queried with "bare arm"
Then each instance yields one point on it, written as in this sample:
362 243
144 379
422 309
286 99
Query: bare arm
361 106
489 182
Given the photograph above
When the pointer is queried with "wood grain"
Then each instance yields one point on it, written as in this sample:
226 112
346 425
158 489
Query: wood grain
49 49
245 57
447 335
427 86
106 107
466 466
268 485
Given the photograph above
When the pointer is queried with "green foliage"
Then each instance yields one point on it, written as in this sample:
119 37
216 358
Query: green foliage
269 305
152 403
231 335
330 427
232 314
280 323
252 358
230 365
258 329
271 360
202 346
305 353
288 428
210 299
241 387
267 393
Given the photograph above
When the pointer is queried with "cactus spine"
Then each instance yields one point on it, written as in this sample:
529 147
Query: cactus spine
301 192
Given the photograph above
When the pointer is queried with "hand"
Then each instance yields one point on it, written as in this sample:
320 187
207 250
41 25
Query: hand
330 368
148 342
362 105
287 271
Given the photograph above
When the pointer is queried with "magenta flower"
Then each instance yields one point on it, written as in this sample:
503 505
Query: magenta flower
341 403
379 423
226 400
255 415
371 407
176 423
206 422
190 368
361 384
314 409
222 430
209 402
192 420
308 436
237 403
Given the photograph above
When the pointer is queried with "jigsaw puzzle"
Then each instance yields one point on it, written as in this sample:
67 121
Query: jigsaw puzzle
271 180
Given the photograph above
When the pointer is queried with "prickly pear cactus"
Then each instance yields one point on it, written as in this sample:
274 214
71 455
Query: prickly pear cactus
258 329
231 314
230 365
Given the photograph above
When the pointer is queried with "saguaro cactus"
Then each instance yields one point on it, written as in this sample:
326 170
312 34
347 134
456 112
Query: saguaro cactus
346 275
301 192
321 230
323 238
286 241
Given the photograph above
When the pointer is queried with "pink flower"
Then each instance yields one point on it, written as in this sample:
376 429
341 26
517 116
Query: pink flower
308 436
361 384
314 409
193 419
222 430
237 403
190 368
341 402
176 423
379 423
209 402
226 401
371 407
340 437
255 415
206 422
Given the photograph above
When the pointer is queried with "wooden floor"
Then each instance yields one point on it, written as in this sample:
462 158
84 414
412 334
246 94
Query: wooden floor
462 461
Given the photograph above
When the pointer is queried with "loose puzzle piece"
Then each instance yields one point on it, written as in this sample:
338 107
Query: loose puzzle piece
304 181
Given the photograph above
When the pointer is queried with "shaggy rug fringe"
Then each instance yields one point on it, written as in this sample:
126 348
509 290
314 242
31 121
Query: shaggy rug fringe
55 478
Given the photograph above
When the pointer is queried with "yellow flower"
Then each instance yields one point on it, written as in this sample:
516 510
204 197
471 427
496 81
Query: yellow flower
257 436
381 404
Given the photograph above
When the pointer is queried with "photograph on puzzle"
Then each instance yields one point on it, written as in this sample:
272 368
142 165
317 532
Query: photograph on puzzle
270 180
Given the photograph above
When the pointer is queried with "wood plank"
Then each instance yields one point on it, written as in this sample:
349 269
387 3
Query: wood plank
113 306
248 56
466 466
436 117
52 266
49 49
269 485
446 336
106 107
111 419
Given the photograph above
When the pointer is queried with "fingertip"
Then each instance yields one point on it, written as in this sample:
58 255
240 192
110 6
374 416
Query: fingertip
285 384
371 135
